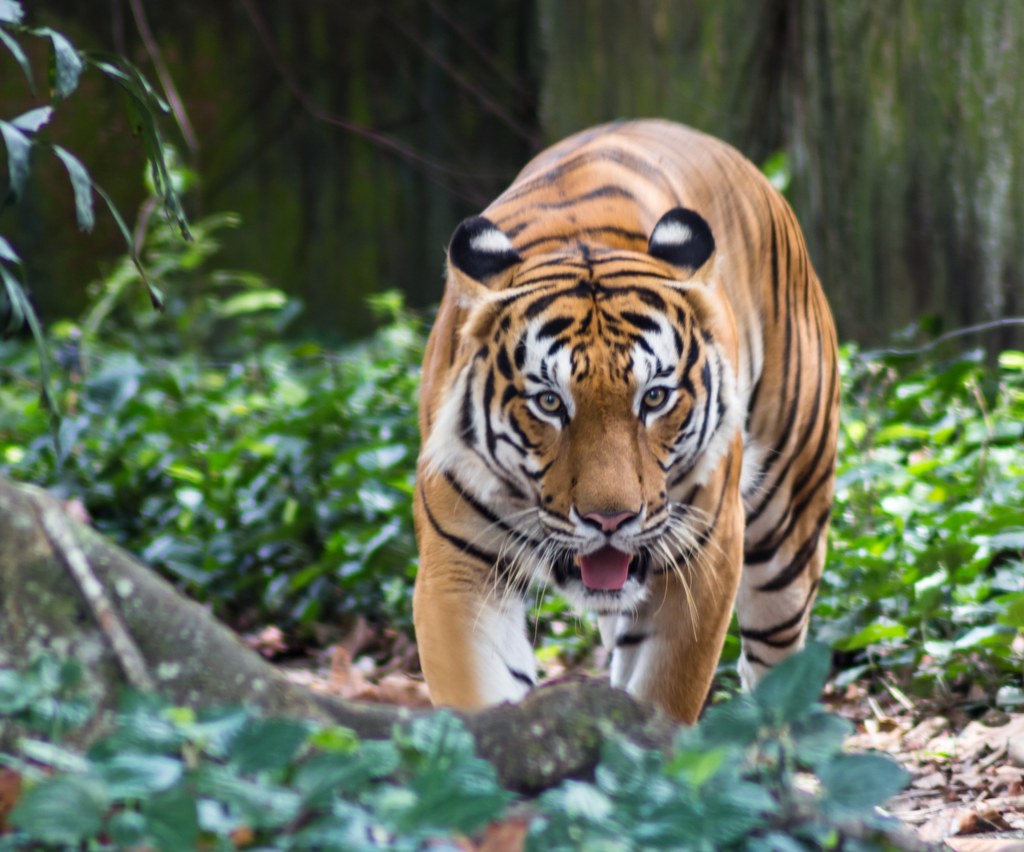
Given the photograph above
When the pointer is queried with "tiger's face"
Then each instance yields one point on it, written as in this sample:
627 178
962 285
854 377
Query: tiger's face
591 398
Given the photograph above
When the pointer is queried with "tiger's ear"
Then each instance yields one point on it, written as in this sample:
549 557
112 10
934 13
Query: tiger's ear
682 238
480 251
479 254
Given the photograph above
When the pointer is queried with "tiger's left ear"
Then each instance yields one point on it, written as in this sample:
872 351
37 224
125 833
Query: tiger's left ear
480 251
682 238
480 256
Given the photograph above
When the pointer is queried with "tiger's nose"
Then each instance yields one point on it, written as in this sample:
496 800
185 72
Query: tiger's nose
609 522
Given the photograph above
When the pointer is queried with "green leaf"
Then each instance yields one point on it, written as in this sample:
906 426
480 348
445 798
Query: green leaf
250 303
871 635
1013 615
10 12
136 776
60 810
7 252
1011 359
981 635
19 147
155 296
128 829
173 820
267 744
17 52
81 183
819 737
858 782
32 120
791 689
262 805
54 756
736 722
65 64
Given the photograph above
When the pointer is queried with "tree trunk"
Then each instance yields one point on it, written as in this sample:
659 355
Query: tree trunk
65 590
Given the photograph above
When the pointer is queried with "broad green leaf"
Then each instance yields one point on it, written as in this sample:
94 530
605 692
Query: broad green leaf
59 810
267 744
32 120
858 782
791 689
81 183
819 737
136 776
981 635
19 147
65 64
127 829
262 805
737 722
172 819
871 635
53 755
10 12
1013 615
1011 359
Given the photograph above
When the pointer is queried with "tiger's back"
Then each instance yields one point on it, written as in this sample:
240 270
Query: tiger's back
697 273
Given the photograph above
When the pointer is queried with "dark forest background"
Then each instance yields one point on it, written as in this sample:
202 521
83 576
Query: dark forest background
352 137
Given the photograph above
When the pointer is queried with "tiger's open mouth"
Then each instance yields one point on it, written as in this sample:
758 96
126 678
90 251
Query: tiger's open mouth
606 569
603 572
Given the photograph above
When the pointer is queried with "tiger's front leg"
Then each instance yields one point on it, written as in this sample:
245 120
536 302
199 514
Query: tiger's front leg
668 650
471 636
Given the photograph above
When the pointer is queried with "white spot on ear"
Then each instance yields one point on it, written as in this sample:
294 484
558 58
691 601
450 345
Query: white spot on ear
671 233
491 241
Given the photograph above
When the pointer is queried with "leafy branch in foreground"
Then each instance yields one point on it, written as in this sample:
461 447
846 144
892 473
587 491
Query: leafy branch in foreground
24 134
765 771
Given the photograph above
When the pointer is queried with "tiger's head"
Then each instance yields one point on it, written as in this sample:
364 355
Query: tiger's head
593 392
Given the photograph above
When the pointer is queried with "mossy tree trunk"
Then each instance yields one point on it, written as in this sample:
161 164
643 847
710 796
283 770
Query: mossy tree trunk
901 123
65 590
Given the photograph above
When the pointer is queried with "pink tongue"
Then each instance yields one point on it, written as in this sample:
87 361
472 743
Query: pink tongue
606 568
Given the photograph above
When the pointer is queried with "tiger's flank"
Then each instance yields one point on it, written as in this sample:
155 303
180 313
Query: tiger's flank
630 396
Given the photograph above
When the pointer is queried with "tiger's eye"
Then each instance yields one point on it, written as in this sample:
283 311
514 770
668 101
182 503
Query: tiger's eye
549 402
655 398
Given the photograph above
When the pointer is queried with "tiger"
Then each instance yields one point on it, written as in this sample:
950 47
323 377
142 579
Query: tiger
629 396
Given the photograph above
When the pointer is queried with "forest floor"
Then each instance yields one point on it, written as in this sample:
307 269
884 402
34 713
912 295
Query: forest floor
967 792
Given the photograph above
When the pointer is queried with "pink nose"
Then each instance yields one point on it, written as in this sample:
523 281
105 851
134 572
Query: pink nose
609 521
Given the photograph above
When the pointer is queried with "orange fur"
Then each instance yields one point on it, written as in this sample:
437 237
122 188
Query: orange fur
576 290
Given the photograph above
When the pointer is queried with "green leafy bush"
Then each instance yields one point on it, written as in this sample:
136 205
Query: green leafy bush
268 477
928 533
763 771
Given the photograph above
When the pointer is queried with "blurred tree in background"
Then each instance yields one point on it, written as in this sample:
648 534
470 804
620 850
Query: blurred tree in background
352 137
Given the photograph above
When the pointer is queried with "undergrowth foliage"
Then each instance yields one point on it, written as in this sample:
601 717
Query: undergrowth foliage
926 554
762 771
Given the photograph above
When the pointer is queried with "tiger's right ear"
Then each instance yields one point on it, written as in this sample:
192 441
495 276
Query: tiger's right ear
478 253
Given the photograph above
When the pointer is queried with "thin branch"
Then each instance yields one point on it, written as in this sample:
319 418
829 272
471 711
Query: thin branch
463 83
170 90
387 143
483 54
992 325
